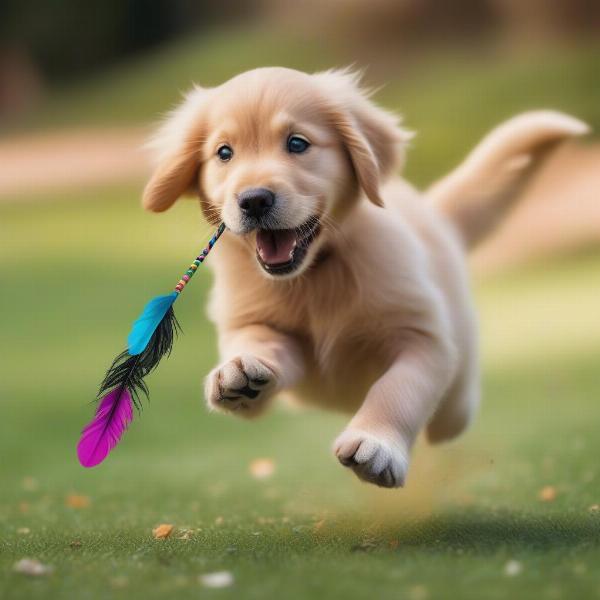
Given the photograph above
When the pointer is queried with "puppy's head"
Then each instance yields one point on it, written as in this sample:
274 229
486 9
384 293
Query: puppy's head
280 156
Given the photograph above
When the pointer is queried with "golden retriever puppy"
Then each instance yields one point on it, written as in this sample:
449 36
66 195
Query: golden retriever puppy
336 282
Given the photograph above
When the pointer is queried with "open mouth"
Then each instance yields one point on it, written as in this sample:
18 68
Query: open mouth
281 251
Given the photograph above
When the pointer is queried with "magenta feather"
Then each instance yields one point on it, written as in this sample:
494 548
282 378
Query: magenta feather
103 433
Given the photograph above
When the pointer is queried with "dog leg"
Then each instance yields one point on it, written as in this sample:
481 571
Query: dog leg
377 442
258 362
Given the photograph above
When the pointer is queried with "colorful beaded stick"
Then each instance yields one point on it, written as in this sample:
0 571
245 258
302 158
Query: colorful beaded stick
150 339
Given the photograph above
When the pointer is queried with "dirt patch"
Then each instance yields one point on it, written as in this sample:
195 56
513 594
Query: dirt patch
41 163
560 211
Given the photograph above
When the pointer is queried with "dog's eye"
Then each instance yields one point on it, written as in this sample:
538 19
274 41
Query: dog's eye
225 152
297 144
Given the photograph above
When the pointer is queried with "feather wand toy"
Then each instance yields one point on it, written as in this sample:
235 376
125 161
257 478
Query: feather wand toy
150 339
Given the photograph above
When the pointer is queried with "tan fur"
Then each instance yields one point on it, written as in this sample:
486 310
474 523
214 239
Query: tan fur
378 321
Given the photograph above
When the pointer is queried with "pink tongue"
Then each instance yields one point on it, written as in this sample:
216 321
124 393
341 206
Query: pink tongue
275 246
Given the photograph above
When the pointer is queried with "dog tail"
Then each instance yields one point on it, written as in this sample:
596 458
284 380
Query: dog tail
478 193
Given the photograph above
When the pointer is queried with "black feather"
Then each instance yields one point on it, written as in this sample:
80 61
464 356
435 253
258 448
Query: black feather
129 371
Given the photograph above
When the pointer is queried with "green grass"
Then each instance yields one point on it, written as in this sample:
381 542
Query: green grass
74 275
450 96
76 267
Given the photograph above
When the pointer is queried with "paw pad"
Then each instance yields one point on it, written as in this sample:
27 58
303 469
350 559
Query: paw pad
241 385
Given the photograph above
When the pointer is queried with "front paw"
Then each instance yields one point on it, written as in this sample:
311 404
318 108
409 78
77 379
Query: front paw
242 385
374 458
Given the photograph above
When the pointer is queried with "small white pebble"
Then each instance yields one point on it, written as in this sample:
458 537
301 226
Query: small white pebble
30 484
512 568
32 567
218 579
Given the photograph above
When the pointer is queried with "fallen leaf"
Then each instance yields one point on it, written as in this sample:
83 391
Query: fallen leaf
418 592
164 530
30 484
262 468
466 500
271 493
318 525
219 579
547 493
513 568
32 567
120 581
77 501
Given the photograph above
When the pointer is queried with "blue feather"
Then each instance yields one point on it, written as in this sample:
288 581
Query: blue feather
148 321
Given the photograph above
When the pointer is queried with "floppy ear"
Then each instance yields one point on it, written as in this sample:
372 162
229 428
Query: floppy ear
177 146
171 179
372 136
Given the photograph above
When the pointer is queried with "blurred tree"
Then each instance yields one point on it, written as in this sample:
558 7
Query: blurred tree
414 23
68 38
19 81
549 18
62 39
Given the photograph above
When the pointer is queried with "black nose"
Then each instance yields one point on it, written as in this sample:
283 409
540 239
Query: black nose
256 202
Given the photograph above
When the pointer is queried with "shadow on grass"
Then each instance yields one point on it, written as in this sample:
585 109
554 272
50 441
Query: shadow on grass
487 533
474 534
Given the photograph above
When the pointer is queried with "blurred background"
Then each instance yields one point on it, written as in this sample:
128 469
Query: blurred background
80 86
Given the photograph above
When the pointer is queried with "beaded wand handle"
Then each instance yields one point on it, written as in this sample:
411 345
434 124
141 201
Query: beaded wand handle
199 259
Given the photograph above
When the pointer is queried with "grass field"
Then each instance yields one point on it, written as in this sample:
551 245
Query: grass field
75 273
77 267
